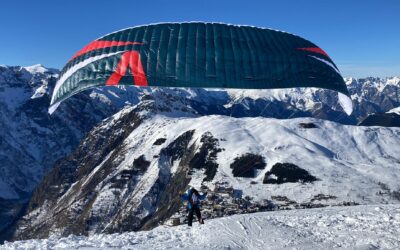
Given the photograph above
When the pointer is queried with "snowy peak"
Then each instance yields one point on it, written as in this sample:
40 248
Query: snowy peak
40 69
393 80
378 83
21 83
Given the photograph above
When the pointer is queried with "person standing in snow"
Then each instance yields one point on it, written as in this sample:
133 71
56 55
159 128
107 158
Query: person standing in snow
193 197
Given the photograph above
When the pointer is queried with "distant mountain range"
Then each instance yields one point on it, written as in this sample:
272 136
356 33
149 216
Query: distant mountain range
33 143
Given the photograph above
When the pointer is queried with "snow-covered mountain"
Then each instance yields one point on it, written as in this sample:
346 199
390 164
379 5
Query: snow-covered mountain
32 141
383 116
355 227
141 158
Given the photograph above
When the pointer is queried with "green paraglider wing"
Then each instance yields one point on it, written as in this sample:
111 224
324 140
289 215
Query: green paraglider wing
200 55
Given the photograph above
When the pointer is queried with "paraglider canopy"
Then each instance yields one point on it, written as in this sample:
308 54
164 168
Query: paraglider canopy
200 55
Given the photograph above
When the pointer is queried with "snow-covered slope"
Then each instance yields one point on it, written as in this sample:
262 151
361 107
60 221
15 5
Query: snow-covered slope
143 156
357 227
395 110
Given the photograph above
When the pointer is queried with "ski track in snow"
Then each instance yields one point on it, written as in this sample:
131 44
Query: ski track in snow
357 227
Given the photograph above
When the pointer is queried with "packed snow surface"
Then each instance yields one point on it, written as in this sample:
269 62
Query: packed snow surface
357 227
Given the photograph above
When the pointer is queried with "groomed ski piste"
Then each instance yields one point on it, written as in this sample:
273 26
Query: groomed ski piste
354 227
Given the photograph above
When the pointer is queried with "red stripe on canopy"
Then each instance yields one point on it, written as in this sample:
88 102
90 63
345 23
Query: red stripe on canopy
315 50
100 45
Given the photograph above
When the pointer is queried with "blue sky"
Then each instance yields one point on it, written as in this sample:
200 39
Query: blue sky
361 36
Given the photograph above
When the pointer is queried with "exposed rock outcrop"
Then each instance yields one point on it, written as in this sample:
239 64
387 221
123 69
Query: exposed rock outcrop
287 172
246 165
